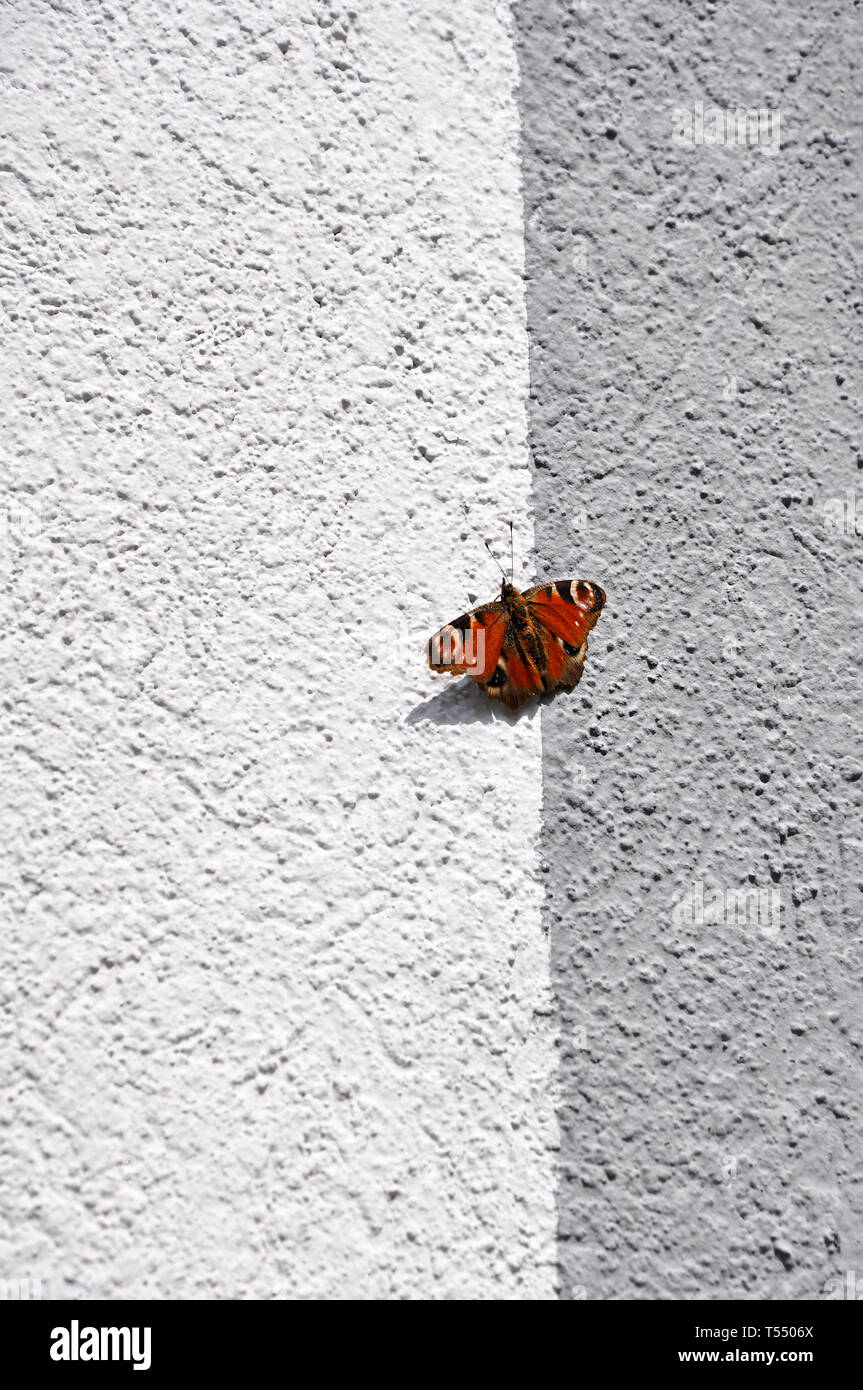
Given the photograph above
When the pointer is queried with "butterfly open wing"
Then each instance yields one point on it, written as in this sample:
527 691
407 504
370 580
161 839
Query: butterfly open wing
470 645
564 612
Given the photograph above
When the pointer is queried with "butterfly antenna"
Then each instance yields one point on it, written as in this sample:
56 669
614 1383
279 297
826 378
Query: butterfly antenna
487 545
511 555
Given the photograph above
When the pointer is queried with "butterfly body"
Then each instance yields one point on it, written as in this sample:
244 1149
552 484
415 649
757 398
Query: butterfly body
524 643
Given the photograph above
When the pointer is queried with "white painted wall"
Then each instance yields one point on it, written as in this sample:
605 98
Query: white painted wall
275 992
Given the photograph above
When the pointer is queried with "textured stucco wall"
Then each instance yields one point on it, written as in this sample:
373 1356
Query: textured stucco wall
276 1005
695 391
321 977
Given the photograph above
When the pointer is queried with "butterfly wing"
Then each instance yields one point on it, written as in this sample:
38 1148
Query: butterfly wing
563 613
470 645
513 680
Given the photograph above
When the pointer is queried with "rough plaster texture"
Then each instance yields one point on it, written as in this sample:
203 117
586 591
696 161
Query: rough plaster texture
277 1018
695 392
277 1015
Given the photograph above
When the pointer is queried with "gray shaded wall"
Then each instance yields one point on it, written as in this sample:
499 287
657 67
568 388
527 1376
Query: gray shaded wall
695 439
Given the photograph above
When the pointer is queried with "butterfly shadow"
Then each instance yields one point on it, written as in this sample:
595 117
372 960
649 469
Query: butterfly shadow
463 703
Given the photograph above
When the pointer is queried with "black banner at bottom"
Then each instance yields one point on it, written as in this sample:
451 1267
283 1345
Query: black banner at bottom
158 1340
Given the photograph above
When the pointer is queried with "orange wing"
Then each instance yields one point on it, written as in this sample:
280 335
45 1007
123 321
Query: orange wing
564 612
514 678
470 645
